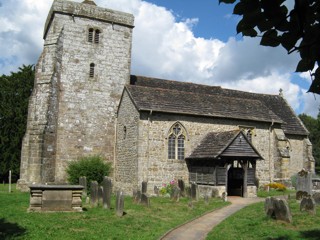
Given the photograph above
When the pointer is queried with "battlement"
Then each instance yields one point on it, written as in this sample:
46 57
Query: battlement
83 10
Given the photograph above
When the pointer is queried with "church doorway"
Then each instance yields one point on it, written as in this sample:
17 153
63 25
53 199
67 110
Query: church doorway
235 181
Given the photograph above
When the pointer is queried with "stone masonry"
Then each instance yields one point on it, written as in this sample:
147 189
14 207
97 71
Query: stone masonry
72 114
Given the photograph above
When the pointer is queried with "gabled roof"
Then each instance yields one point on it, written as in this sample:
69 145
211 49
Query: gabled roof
196 99
216 145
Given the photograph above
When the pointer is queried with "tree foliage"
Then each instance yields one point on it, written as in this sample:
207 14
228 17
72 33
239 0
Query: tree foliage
313 126
15 91
295 30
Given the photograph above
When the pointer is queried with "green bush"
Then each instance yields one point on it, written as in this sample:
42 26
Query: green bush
94 168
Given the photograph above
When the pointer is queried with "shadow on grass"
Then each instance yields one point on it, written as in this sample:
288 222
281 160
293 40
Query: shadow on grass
10 230
311 234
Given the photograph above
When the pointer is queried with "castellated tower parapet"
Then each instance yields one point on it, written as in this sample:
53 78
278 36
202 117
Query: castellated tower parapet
80 76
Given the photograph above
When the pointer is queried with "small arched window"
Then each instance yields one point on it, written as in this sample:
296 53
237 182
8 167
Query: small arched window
176 140
90 35
96 36
91 72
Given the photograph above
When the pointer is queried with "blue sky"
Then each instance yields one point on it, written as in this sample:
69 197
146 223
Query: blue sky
183 40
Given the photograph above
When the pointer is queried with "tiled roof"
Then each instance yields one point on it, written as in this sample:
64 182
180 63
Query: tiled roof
196 99
215 144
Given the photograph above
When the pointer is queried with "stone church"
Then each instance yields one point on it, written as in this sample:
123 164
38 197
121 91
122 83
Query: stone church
85 102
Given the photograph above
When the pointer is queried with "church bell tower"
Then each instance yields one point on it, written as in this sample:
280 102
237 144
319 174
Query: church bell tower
80 75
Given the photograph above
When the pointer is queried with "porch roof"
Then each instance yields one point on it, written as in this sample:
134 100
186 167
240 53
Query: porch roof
217 145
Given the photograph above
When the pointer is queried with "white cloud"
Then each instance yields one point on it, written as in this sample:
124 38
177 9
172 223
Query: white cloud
164 47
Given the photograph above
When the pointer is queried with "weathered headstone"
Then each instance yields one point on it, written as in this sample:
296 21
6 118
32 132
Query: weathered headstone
215 193
94 193
316 197
83 182
119 204
301 194
107 192
194 191
156 190
100 195
206 199
278 209
224 196
145 200
182 187
304 181
308 204
144 187
176 194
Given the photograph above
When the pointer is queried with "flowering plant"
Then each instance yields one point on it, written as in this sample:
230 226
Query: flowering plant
277 186
167 188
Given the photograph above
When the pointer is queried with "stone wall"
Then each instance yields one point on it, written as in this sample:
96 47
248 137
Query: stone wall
126 166
155 167
70 113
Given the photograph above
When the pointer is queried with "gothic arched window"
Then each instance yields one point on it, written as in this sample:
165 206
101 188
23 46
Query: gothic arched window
176 141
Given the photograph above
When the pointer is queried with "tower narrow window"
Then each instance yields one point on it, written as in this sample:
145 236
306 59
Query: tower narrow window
90 35
96 36
176 142
91 72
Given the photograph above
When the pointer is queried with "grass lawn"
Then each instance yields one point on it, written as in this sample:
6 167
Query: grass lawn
139 221
252 223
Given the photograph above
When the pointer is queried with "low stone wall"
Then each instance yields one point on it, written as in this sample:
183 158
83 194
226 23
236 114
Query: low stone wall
55 198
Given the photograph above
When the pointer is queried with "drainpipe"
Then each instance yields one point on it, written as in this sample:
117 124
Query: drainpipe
270 154
115 150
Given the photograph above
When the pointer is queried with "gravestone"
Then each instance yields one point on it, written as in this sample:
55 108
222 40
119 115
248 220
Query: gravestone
301 194
316 197
144 187
304 181
107 192
278 209
182 187
100 195
83 182
175 196
215 193
119 204
224 196
194 191
206 199
308 204
156 191
94 193
145 200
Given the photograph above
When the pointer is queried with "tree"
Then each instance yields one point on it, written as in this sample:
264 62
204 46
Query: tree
313 126
15 91
295 30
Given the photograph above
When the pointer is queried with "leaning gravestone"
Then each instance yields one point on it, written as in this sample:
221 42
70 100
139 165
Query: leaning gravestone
182 187
119 204
308 204
107 191
278 209
156 191
83 182
194 191
94 193
304 181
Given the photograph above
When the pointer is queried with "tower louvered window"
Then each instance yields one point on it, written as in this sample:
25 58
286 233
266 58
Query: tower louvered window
176 142
90 35
96 36
91 72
